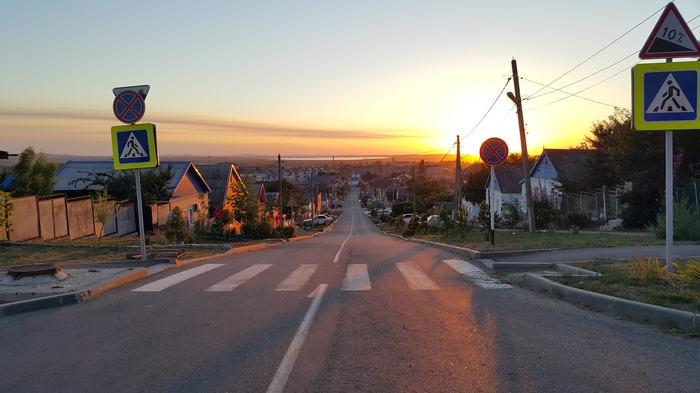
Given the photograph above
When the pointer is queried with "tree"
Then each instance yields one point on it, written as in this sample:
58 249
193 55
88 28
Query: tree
122 184
623 155
473 190
34 174
103 210
246 208
175 227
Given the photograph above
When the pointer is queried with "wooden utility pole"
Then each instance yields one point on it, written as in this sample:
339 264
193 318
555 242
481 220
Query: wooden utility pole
523 146
458 180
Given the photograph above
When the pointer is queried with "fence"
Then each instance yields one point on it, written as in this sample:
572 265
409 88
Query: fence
601 205
54 217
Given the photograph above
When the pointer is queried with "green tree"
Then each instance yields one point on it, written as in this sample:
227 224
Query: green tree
103 210
122 184
246 208
175 227
473 189
621 155
34 174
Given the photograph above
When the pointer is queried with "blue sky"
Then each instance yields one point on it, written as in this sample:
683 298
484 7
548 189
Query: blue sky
315 77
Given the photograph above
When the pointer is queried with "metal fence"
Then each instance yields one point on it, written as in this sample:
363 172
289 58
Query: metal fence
600 206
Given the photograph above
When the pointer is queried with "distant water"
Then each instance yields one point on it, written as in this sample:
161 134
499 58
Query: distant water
345 158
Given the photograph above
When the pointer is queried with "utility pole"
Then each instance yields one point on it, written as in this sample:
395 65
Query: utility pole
523 146
458 180
413 170
279 177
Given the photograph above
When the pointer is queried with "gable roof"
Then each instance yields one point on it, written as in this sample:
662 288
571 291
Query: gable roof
67 177
508 179
219 178
567 164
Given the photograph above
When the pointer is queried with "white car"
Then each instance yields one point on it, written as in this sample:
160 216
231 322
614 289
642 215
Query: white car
435 221
407 217
322 218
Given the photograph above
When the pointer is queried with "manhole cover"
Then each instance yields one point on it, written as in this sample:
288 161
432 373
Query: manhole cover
33 270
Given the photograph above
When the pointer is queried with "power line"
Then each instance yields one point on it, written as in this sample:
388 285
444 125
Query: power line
598 52
489 110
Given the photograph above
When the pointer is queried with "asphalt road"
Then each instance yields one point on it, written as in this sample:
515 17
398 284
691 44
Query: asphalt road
351 310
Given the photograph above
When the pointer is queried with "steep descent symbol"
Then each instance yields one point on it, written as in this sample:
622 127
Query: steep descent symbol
671 37
670 98
132 148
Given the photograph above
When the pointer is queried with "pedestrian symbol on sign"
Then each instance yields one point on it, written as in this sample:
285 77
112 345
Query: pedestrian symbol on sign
670 98
132 148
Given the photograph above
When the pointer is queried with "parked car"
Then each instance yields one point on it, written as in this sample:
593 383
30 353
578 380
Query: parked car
435 221
322 219
408 217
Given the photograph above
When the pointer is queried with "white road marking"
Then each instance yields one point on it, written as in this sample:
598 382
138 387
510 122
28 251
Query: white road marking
157 286
337 255
297 279
415 278
356 278
478 276
285 368
237 279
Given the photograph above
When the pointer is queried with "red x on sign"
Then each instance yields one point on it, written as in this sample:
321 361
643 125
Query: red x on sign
129 107
494 151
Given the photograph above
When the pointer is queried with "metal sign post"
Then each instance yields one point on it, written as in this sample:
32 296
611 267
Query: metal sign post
666 95
493 151
134 146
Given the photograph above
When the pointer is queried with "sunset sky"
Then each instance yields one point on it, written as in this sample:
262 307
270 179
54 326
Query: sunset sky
317 78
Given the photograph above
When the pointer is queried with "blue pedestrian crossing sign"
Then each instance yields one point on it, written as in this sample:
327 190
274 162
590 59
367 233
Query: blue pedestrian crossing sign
134 146
665 96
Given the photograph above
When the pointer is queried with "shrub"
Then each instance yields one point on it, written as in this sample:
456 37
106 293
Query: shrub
512 214
686 222
648 271
175 228
689 271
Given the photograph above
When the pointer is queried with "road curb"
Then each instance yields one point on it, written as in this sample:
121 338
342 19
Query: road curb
135 274
65 299
639 312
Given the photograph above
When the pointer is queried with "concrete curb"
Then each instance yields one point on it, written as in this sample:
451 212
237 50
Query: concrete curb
138 273
65 299
640 312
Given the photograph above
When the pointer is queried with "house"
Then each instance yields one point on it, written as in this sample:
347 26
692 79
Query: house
554 166
506 187
187 186
222 179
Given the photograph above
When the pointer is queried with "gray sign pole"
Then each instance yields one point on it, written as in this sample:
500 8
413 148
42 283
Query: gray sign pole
142 231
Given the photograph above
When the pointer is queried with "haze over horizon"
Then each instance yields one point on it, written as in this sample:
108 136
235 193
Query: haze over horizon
318 79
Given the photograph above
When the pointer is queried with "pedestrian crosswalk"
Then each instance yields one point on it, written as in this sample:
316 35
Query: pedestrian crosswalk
357 277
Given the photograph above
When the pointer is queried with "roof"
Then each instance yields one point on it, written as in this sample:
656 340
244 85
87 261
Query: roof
508 179
568 164
218 177
67 177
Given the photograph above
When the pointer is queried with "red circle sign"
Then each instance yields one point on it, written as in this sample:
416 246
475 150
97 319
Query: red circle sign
494 151
129 107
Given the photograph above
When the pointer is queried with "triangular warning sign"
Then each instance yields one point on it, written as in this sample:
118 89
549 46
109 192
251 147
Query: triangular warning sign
671 37
132 148
670 99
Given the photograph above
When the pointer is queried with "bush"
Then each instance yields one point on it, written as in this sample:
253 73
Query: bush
579 220
175 228
284 232
512 214
545 213
686 222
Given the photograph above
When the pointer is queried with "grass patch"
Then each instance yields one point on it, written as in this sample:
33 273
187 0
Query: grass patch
81 251
520 240
630 280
